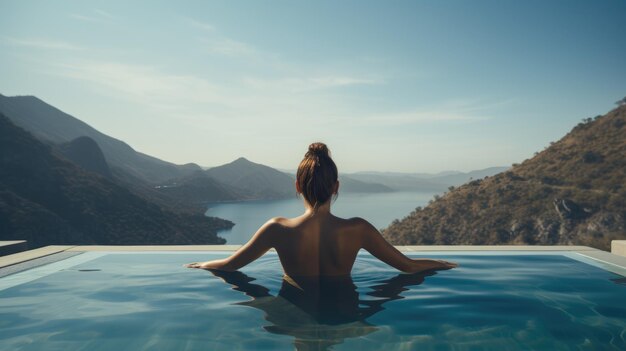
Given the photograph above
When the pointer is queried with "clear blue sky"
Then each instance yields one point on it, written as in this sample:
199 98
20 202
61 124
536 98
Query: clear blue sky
414 86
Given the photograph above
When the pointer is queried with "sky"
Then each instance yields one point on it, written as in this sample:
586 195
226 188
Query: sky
403 86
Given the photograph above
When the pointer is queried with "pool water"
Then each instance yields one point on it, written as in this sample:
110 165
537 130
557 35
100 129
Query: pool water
148 301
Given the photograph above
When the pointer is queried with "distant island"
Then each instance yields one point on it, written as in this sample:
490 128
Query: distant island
571 193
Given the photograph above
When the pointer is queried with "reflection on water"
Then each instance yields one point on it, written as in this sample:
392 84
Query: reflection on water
323 312
621 281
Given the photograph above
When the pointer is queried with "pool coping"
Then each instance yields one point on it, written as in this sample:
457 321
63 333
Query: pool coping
8 247
590 252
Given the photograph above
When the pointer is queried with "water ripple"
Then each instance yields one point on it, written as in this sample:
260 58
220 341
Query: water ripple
149 302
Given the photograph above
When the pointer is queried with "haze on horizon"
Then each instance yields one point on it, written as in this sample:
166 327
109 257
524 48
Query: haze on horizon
410 86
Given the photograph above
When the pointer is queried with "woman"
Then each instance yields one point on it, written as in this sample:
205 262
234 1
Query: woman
318 244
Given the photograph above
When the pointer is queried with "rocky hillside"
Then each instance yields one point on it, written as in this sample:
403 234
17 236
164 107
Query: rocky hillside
46 199
573 192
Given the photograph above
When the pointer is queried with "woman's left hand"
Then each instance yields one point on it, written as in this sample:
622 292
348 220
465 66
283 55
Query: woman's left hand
199 265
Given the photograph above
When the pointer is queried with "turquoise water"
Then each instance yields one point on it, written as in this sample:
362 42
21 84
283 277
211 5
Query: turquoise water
147 301
380 209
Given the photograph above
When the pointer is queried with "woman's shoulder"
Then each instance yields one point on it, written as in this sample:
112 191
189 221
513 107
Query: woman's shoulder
357 223
270 229
282 224
277 222
346 224
273 225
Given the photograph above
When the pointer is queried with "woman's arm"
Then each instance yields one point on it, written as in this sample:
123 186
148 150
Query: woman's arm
375 244
253 249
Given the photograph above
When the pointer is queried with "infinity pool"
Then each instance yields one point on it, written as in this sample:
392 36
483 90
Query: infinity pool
148 301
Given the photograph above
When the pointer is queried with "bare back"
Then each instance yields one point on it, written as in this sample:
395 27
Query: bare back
318 244
322 245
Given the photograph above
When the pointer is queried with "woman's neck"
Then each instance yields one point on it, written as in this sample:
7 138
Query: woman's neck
323 209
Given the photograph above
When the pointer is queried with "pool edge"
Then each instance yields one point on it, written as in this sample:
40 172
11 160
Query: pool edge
590 252
30 255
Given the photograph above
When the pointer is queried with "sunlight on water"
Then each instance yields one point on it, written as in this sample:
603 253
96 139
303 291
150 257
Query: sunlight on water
149 302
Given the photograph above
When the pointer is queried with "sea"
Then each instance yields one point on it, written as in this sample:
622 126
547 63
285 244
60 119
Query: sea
380 209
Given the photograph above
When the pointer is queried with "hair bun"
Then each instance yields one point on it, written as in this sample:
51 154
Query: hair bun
319 149
317 176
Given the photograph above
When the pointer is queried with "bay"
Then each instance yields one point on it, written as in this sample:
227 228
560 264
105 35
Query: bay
380 209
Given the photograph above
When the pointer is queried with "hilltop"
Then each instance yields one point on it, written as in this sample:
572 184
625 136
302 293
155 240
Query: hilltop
573 192
255 180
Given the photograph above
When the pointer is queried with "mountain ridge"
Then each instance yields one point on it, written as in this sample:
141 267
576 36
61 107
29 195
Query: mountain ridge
50 123
573 192
256 180
161 181
48 200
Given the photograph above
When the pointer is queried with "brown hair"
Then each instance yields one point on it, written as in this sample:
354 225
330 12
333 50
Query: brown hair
317 175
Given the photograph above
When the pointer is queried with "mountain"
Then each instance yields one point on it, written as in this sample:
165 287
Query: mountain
399 181
86 153
49 123
573 192
348 184
460 178
424 181
255 180
164 183
46 199
200 188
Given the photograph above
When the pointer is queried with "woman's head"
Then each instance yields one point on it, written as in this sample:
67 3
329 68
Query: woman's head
317 175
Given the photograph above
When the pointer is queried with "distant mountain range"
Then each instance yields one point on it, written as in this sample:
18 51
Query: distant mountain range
573 192
200 189
93 186
259 181
47 199
349 184
51 124
424 181
243 180
161 181
255 180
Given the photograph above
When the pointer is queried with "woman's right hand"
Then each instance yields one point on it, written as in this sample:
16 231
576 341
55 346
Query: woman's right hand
423 264
208 265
